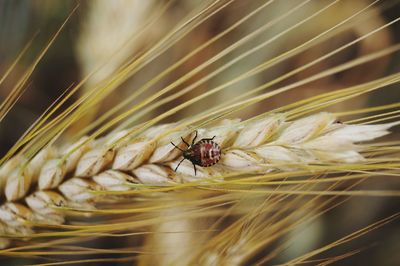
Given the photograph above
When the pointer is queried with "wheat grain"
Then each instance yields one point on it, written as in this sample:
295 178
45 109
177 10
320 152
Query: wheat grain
68 176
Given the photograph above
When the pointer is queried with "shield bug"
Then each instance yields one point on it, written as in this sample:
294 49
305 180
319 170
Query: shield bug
203 153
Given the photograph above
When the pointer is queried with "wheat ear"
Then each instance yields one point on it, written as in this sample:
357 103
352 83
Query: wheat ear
67 176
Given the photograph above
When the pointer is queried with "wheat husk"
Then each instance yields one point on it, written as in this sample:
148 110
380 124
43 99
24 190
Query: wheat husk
259 145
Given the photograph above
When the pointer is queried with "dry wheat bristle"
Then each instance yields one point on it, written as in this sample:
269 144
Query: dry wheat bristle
67 176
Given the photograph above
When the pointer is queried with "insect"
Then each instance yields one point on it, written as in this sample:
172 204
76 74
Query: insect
204 153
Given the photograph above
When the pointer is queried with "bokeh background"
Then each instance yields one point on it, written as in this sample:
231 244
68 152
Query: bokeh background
101 32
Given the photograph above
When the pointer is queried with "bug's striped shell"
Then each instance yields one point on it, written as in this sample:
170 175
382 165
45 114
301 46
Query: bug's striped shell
204 153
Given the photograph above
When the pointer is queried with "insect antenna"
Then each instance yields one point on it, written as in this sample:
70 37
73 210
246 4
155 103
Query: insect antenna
177 147
195 137
187 144
176 168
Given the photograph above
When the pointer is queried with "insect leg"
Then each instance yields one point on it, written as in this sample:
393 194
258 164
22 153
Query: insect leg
187 144
210 138
177 147
195 170
195 137
176 168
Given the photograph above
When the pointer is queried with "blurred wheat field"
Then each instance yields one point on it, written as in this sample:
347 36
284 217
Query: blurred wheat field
302 97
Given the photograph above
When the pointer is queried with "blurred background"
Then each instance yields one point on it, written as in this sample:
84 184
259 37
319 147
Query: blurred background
103 35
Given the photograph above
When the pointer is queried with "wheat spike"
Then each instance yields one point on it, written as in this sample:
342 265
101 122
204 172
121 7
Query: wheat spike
62 177
95 177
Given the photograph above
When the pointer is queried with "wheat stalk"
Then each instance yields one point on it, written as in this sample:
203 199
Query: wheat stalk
66 176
